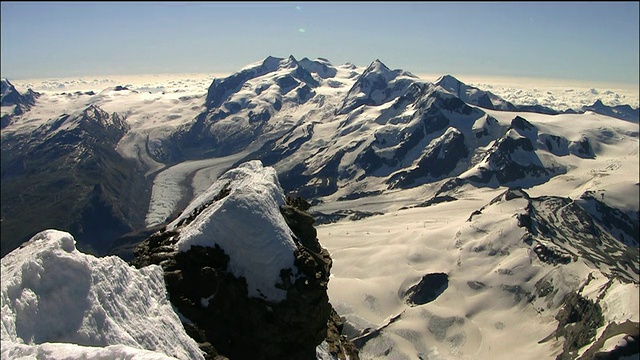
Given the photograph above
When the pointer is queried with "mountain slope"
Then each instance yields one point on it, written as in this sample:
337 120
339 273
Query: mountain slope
66 174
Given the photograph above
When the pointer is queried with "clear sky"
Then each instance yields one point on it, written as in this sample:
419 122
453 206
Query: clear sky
573 40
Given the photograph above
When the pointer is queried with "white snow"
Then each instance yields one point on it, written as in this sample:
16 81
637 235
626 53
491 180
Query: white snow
170 185
247 225
58 303
375 259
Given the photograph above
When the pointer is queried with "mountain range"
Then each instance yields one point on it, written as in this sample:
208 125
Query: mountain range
473 199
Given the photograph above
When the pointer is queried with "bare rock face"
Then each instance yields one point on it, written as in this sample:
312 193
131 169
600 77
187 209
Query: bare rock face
427 290
226 322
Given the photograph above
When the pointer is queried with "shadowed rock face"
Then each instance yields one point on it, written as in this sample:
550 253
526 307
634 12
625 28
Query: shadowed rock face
77 182
427 290
622 112
225 321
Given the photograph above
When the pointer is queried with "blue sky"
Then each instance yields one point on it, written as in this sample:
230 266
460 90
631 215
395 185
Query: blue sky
574 40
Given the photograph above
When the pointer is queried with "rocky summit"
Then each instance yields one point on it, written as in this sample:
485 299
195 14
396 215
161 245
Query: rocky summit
217 308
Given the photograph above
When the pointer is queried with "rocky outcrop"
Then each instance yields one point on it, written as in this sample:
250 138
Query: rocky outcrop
427 289
226 322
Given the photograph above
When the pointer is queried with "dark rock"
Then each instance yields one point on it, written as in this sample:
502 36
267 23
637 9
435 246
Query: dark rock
353 215
437 200
582 148
339 346
440 158
578 320
476 285
622 112
427 290
557 145
623 227
225 321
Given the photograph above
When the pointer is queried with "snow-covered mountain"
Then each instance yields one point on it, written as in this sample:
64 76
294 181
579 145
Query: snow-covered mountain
475 217
486 99
66 173
13 102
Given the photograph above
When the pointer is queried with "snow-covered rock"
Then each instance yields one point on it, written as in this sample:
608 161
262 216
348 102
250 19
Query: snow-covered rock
58 303
240 213
245 256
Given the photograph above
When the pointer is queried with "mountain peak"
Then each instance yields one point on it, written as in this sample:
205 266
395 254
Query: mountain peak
377 66
453 85
271 63
6 88
11 95
245 202
5 83
320 66
289 63
376 85
447 80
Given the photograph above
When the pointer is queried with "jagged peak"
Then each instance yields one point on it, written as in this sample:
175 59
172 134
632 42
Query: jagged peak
508 195
524 127
288 63
222 88
92 108
377 67
349 65
319 60
272 63
521 123
12 96
6 86
321 67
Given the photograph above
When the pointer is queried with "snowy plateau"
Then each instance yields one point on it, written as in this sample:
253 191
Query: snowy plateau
460 223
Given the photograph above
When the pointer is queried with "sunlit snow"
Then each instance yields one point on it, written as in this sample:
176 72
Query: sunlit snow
60 303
